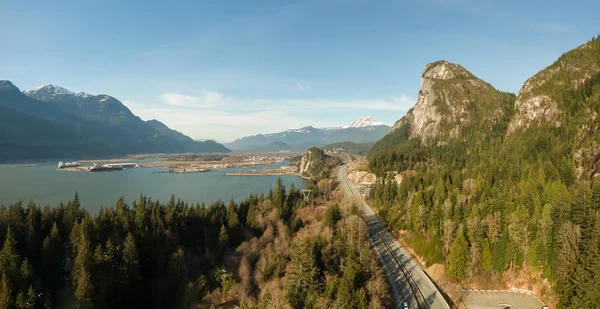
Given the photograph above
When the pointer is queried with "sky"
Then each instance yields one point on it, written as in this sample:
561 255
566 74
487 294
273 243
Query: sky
226 69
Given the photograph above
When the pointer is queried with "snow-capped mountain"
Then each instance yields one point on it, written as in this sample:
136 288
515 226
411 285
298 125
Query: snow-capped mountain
49 90
366 122
363 130
81 124
99 107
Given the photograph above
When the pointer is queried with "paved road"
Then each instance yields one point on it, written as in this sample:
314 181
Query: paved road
500 299
408 282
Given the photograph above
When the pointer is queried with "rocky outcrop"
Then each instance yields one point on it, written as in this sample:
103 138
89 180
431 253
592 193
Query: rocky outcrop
540 100
565 95
448 98
538 110
362 177
307 161
315 164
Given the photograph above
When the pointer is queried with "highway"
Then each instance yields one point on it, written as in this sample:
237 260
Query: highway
407 280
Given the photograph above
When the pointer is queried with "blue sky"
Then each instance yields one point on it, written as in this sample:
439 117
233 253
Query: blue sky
226 69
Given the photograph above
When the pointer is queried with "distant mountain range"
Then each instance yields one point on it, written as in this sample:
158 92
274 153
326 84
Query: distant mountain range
363 130
53 122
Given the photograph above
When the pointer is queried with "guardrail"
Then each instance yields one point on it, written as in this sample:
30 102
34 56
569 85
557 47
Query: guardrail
513 290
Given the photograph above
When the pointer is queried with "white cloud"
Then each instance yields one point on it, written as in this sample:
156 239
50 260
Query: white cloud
551 27
302 87
214 115
206 99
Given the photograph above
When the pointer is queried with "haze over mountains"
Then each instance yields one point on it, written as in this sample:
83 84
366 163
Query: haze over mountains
53 122
363 130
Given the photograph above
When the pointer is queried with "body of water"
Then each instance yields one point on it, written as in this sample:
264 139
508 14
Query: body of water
44 184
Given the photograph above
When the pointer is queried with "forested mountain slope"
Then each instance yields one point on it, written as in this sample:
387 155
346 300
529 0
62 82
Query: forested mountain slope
512 201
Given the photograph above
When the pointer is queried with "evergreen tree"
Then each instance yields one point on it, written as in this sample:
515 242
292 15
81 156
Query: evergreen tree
223 238
346 295
302 278
486 256
132 282
81 275
31 299
332 216
9 258
20 301
6 300
458 260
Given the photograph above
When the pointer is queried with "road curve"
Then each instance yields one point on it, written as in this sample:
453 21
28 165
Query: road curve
408 281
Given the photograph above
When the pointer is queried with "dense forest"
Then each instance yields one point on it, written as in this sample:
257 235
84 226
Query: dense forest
174 255
493 207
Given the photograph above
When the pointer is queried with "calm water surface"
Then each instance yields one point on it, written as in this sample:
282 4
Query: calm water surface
46 185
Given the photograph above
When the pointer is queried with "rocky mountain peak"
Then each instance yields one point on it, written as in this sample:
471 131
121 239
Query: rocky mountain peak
443 104
48 89
444 70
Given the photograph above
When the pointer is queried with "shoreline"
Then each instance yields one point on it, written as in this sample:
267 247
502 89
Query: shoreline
192 162
265 174
290 170
202 163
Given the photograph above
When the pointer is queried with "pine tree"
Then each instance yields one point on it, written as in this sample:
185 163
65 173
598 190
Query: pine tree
346 296
6 300
585 280
9 258
223 238
234 229
32 298
458 260
332 216
486 256
26 273
20 301
131 282
33 231
84 289
81 275
279 195
52 254
302 278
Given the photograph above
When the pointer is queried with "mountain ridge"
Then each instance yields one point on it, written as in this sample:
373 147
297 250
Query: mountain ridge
82 125
306 137
452 104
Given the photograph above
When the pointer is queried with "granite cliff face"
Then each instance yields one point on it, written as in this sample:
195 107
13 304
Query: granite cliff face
566 94
541 100
315 164
451 101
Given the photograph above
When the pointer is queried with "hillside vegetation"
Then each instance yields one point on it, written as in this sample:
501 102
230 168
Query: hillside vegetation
348 148
517 204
